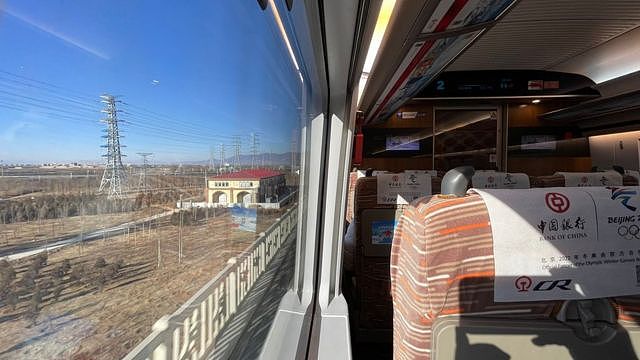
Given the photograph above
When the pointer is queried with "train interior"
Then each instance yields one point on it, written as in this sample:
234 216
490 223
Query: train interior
417 179
486 95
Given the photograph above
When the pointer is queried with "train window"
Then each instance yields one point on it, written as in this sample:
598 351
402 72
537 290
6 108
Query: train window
150 175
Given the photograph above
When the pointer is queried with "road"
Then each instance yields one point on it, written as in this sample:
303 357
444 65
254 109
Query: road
30 249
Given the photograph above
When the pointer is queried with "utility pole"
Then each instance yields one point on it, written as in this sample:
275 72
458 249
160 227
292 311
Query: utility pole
180 234
114 176
82 229
159 252
142 181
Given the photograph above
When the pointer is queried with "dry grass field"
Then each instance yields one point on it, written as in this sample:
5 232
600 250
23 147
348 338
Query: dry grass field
100 309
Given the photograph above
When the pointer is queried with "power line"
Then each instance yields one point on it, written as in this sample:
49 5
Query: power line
88 100
89 97
11 85
85 108
158 131
135 119
21 93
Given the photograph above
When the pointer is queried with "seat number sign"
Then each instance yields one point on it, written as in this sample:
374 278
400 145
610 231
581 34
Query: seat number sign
565 243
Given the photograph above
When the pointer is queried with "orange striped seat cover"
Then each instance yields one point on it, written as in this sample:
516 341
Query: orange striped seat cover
442 264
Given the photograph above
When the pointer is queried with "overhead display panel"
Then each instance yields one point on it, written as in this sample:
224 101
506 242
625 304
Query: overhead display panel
427 58
507 83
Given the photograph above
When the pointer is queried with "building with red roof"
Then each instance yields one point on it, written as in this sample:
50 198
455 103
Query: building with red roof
246 187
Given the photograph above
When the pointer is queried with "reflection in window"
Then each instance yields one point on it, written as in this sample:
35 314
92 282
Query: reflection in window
465 137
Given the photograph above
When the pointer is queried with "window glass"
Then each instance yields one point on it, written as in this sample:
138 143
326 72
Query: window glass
126 127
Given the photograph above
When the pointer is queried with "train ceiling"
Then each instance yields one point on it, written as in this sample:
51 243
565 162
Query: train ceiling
424 38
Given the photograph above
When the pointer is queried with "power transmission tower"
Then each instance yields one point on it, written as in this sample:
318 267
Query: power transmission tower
255 144
221 168
142 181
236 157
212 166
114 177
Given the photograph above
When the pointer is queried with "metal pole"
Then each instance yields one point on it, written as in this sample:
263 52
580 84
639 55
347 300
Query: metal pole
81 229
159 254
180 234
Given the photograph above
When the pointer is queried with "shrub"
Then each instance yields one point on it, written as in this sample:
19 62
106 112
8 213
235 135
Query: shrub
29 279
78 272
33 308
11 298
66 265
7 275
39 262
120 263
57 291
99 280
100 263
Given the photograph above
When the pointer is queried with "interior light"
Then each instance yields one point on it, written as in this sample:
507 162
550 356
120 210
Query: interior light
535 101
386 9
521 106
283 32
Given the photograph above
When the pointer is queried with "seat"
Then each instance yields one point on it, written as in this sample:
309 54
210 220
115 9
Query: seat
500 180
558 180
442 284
373 313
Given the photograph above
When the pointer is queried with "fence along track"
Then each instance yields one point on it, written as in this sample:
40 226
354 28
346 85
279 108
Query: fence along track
191 331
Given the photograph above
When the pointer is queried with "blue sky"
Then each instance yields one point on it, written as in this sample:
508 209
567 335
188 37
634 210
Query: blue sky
189 77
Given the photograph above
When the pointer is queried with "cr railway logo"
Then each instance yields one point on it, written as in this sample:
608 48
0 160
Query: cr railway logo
523 284
557 202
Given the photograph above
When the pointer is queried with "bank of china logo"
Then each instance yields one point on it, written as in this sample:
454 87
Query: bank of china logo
624 196
523 283
557 202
